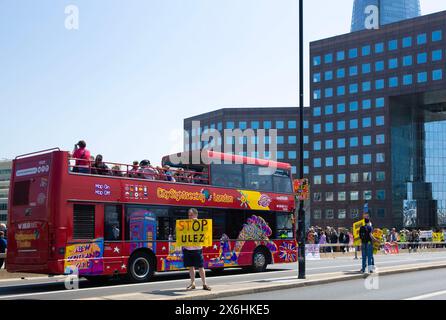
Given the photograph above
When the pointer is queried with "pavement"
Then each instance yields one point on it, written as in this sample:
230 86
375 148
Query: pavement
232 284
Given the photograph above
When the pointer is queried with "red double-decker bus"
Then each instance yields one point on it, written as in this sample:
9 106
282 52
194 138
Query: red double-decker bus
122 222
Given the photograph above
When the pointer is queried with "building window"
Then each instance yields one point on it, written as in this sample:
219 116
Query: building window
354 142
380 102
317 61
255 125
329 127
230 125
365 50
328 75
354 159
393 45
407 79
366 158
380 176
329 214
328 109
381 194
366 68
367 122
367 140
379 66
329 162
393 63
393 82
422 58
437 55
317 162
317 179
421 39
340 91
341 161
340 55
341 125
354 124
329 179
340 73
380 158
354 177
292 155
381 213
280 155
354 195
379 84
366 86
317 196
317 111
379 121
379 47
317 145
422 77
328 144
437 35
280 140
407 61
342 213
342 178
328 58
267 125
353 106
292 125
353 88
354 213
367 176
366 104
407 42
437 75
342 196
340 108
353 71
367 195
317 214
380 139
280 124
341 143
353 53
292 139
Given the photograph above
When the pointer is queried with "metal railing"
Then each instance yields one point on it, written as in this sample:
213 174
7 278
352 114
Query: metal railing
132 171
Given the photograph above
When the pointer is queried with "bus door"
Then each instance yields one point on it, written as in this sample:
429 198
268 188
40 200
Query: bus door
29 213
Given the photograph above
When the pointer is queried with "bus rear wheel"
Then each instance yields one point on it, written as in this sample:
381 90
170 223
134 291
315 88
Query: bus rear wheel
141 267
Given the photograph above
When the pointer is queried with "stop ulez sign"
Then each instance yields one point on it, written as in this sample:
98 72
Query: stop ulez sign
194 232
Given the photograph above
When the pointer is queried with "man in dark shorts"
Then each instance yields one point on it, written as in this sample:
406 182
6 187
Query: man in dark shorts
193 258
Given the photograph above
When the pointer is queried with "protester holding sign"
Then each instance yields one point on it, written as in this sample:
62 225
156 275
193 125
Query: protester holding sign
193 255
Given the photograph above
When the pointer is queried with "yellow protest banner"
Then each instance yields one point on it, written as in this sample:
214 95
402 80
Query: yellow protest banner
356 227
377 234
437 237
194 232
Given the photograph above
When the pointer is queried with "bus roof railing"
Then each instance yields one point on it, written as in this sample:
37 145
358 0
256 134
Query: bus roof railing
37 152
146 173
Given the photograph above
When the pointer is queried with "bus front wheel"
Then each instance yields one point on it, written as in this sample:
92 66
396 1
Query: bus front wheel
141 267
259 261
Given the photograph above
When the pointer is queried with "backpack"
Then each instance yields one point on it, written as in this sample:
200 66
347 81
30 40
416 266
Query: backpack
364 234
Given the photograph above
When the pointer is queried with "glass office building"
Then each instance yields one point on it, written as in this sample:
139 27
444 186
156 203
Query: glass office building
378 125
390 11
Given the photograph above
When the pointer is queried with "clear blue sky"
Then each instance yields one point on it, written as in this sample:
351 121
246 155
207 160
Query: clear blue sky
135 69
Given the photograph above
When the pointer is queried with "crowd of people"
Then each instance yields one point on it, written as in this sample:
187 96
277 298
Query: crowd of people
342 237
86 163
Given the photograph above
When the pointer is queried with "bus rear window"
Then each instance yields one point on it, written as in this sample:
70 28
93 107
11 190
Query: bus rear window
21 193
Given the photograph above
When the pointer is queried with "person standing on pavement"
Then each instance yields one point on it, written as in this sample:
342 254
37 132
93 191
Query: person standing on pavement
3 245
193 258
367 238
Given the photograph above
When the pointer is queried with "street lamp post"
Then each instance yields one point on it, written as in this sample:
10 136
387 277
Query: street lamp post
301 211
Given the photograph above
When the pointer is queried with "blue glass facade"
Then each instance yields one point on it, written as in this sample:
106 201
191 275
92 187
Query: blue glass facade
390 11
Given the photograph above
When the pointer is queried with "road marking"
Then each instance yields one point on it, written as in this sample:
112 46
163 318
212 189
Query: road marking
427 296
182 280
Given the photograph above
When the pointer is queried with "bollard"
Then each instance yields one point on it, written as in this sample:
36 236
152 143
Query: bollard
356 253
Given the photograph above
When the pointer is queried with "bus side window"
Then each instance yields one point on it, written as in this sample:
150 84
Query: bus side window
112 222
